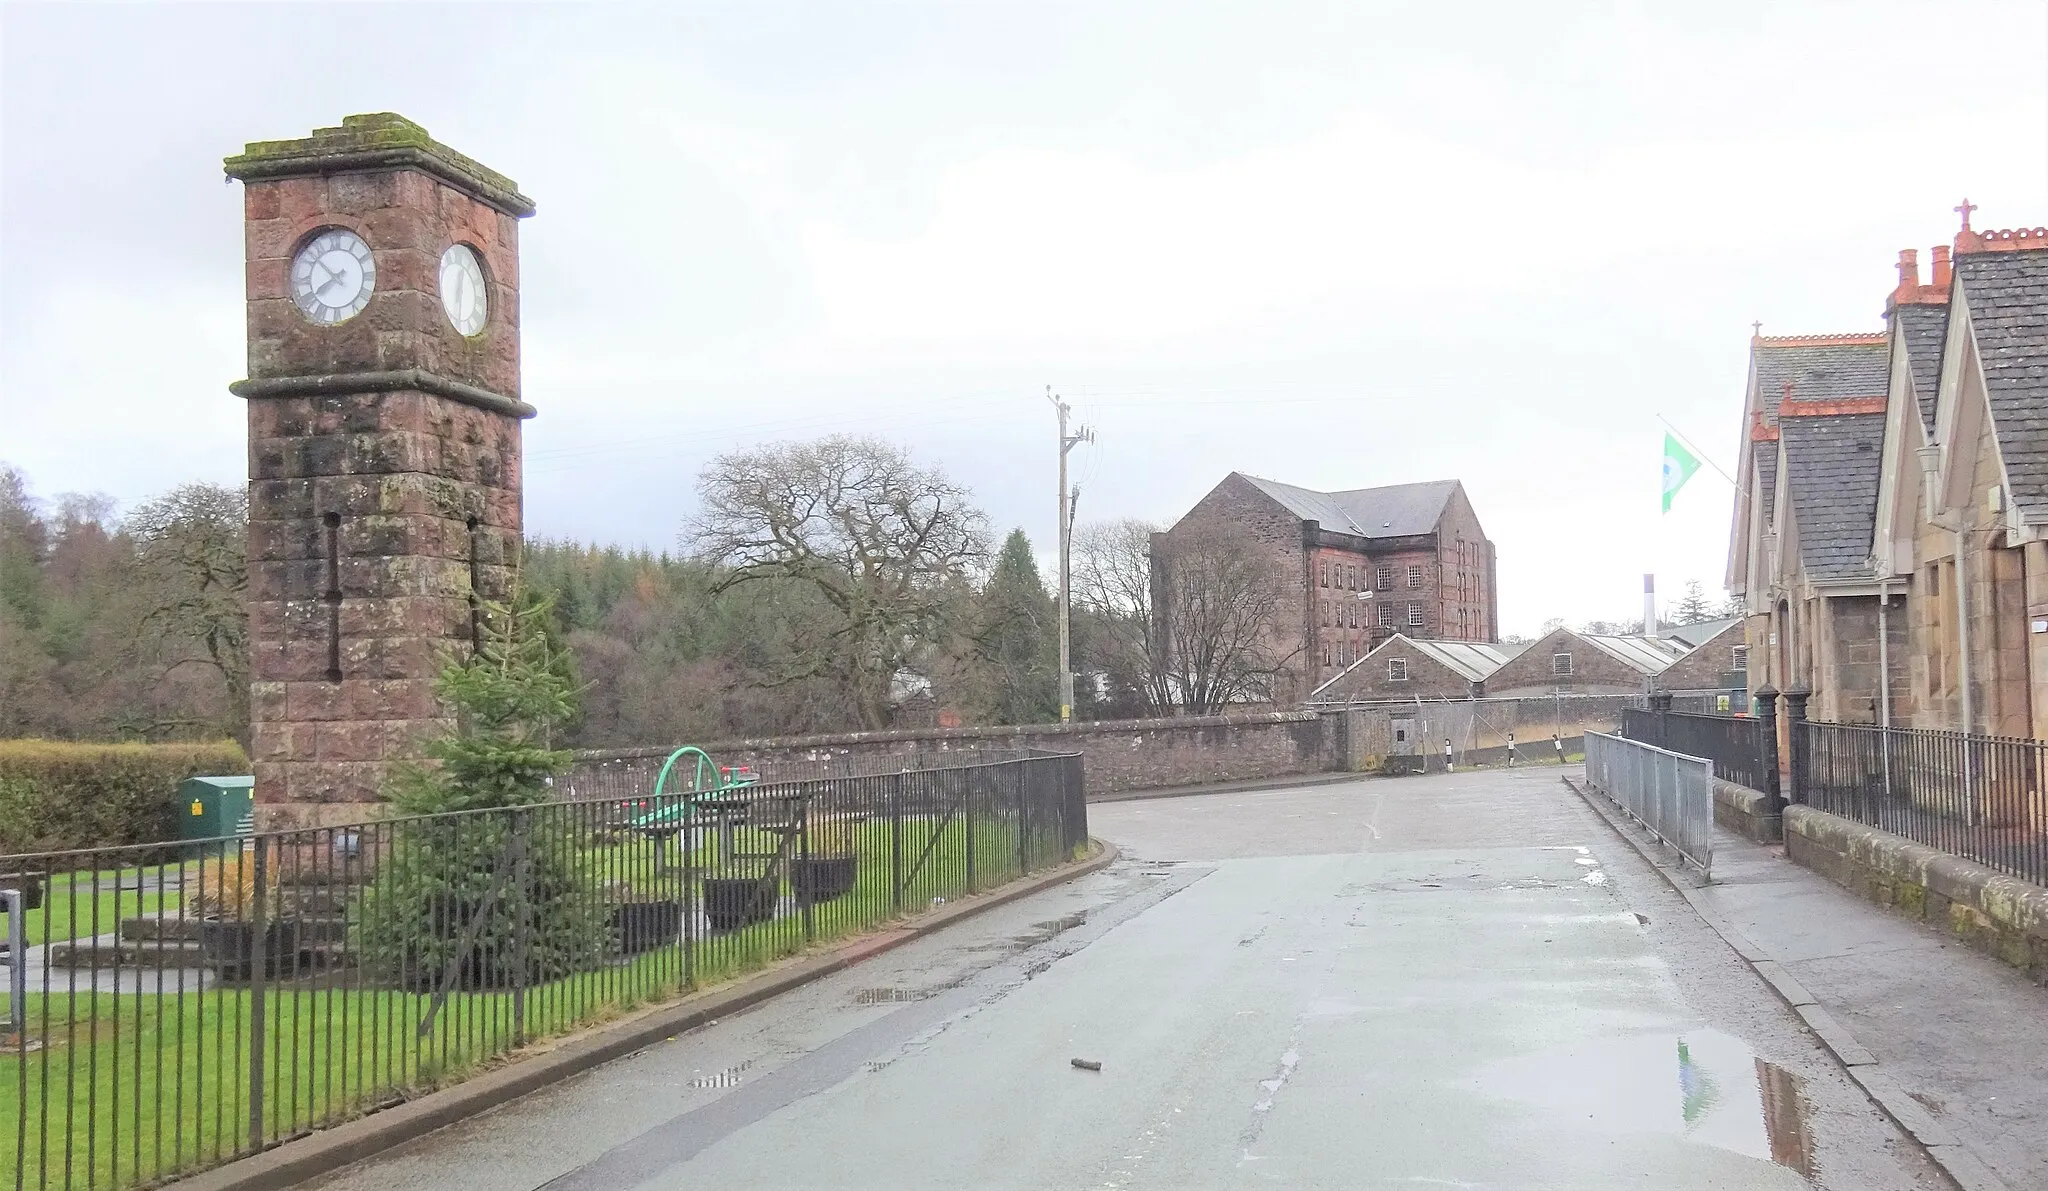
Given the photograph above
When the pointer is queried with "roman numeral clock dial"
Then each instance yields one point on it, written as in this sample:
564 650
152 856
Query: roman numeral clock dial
462 289
333 277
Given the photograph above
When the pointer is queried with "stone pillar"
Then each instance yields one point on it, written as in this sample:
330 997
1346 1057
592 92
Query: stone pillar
1767 744
1795 723
384 446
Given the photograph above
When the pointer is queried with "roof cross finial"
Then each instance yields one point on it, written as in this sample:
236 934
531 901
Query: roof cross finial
1756 329
1964 211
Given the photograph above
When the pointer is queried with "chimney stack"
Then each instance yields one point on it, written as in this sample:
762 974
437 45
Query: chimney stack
1909 277
1649 605
1941 269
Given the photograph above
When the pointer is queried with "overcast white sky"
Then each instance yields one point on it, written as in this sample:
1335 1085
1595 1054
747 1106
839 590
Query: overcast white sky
1338 245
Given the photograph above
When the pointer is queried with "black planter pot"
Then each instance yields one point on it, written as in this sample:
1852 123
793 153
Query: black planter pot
229 946
30 885
733 902
643 926
822 878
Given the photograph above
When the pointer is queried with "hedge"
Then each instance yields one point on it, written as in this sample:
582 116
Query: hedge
57 794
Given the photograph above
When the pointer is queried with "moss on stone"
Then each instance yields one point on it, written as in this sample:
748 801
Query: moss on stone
369 133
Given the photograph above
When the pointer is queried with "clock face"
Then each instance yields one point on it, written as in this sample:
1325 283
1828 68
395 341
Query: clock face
462 289
332 276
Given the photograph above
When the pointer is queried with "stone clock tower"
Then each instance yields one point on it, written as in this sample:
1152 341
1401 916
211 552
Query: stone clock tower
384 427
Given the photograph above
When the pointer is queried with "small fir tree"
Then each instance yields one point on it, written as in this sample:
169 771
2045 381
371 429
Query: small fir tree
495 895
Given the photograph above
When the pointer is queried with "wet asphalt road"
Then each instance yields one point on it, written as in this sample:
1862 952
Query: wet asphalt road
1461 981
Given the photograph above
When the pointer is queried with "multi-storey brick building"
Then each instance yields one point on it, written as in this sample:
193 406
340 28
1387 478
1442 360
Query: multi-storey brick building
1359 566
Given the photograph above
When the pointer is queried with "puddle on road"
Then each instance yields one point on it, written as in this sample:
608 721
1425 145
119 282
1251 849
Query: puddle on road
1703 1086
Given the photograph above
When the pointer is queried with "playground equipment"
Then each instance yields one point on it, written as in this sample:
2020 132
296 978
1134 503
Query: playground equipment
720 805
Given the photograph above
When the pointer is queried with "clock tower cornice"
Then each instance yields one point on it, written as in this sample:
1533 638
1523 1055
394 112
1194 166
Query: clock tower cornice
377 142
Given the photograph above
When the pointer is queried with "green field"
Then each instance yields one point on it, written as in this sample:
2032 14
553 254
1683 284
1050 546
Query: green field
140 1087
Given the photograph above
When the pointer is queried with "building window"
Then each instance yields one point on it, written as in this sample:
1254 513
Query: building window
1561 665
1740 658
1385 581
1326 656
1386 615
1397 669
1415 576
1415 614
1326 614
1461 622
1351 578
1325 575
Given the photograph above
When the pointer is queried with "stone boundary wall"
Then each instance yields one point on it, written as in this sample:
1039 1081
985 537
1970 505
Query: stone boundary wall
1747 813
2000 915
1117 755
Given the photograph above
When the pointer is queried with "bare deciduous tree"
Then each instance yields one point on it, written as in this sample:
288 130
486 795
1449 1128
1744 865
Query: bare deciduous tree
1193 623
881 539
1112 582
191 551
1222 600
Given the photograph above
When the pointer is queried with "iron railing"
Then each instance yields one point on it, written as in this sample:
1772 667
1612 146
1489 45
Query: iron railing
1667 792
1737 745
189 1003
1984 798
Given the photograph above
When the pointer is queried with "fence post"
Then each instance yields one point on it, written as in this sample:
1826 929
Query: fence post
1767 747
970 780
896 841
259 926
1796 736
1660 714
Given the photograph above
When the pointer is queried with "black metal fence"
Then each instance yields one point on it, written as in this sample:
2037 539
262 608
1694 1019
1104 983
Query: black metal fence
1984 798
1737 745
185 1004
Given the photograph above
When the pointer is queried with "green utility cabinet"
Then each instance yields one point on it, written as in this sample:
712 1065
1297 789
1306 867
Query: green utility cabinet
210 807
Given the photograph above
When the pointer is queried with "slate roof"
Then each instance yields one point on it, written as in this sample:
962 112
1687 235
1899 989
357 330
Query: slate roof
1394 511
1831 462
1820 372
1692 636
1767 478
1925 327
2008 297
1649 655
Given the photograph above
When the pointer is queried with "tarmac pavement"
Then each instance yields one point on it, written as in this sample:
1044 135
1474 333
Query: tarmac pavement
1463 980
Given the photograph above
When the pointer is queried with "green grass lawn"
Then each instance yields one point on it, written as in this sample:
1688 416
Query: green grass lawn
141 1087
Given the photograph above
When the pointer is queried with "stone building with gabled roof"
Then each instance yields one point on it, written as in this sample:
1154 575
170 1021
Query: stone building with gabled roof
1358 566
1896 563
1565 661
1403 667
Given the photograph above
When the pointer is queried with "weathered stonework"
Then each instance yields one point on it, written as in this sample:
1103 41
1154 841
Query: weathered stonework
1118 755
384 457
1994 913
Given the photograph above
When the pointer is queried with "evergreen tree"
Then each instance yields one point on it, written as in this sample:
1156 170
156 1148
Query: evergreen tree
1018 642
1692 606
507 702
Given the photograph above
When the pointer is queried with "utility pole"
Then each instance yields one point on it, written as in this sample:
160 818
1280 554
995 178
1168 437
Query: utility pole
1068 497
